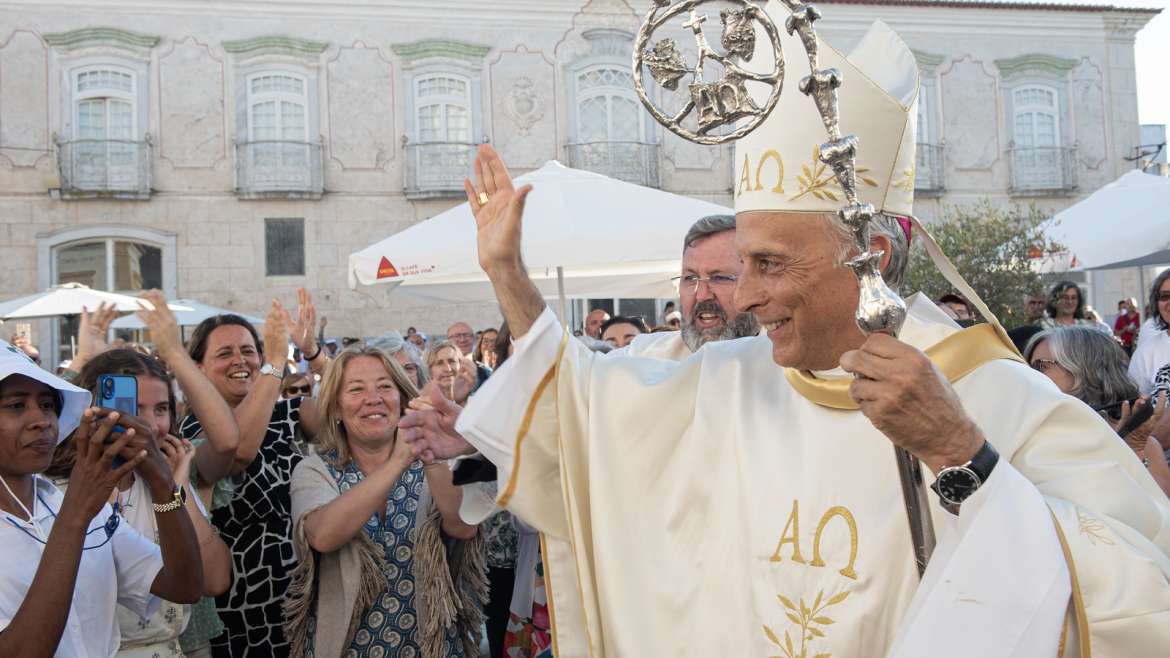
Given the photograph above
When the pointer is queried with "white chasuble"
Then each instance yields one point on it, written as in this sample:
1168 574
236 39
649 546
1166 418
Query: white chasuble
711 508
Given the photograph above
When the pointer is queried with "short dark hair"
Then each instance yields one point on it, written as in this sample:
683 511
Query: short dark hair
625 319
706 227
1059 290
197 344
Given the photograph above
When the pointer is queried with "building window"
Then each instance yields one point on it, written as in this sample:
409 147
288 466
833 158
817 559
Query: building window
123 266
928 168
1038 160
441 149
277 155
106 152
443 108
284 247
610 126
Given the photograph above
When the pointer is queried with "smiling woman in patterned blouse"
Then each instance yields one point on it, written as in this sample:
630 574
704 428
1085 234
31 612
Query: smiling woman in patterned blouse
386 566
250 505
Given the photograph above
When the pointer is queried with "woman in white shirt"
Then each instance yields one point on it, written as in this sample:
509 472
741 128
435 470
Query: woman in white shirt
68 560
1150 364
158 635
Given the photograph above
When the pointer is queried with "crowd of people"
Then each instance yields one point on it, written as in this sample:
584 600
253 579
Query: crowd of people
261 505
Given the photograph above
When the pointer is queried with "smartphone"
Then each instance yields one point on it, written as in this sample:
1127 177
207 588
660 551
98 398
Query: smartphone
120 393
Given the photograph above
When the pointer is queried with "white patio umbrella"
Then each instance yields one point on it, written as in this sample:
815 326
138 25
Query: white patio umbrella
68 299
1119 225
603 237
197 312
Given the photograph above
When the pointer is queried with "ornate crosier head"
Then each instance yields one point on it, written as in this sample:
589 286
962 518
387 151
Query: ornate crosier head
877 85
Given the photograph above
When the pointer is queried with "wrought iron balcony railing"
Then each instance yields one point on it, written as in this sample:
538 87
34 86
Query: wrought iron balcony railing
928 170
93 168
1042 170
279 169
437 169
633 162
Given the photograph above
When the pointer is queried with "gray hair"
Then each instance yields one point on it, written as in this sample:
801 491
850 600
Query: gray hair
1095 361
706 227
885 225
392 343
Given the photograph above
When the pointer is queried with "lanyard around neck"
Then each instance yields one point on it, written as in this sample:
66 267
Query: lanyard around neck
109 526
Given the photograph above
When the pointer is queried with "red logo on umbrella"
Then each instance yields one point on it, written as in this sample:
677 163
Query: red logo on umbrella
386 269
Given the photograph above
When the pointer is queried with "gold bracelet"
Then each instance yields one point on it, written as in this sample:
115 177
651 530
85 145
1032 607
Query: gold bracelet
176 502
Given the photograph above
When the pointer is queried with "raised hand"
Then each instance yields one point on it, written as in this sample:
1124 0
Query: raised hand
276 331
498 208
164 329
302 328
91 335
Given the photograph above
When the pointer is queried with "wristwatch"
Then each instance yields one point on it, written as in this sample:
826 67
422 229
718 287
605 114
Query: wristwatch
269 369
956 483
178 501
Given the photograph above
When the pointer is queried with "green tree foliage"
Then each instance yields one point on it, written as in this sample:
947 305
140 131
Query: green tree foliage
995 249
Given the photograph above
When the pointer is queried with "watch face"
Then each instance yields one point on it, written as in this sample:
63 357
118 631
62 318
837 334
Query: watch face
956 484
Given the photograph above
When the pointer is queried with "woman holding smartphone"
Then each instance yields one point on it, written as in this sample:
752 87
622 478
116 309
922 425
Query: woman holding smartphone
160 635
67 555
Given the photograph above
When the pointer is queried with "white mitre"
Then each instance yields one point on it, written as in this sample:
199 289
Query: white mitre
777 163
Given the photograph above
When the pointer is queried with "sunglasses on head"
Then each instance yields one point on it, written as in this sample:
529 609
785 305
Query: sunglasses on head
298 390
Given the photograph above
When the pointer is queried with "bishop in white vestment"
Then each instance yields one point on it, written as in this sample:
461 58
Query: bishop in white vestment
744 502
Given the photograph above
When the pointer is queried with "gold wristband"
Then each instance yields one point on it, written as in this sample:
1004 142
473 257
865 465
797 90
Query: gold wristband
178 501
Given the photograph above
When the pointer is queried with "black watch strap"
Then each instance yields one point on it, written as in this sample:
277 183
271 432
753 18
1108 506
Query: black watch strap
984 461
956 483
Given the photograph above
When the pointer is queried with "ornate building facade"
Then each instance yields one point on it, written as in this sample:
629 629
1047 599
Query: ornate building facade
234 151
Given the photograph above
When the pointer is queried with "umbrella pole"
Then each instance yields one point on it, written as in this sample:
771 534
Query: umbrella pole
561 293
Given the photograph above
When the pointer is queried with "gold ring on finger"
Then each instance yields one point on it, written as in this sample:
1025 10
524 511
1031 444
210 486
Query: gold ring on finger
483 198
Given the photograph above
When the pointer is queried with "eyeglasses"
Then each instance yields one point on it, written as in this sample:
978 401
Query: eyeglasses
1042 365
714 282
1163 297
298 390
462 336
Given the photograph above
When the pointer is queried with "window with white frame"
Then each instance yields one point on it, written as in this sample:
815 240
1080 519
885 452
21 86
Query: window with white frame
607 106
1036 135
442 108
105 151
278 130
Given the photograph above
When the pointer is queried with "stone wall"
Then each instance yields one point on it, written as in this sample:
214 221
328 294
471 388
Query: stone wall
520 53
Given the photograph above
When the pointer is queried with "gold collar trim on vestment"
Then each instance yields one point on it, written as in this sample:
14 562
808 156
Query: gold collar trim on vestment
956 355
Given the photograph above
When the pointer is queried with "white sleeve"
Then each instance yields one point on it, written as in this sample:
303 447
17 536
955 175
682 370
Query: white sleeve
138 562
1140 370
495 412
997 579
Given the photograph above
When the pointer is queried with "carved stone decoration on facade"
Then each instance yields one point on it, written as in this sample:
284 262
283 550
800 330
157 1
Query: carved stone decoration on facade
192 132
24 80
524 104
359 76
524 109
972 129
1090 112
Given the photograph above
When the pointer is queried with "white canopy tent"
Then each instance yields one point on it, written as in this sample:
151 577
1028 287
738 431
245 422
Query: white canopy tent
197 312
1123 227
604 237
69 299
1119 225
